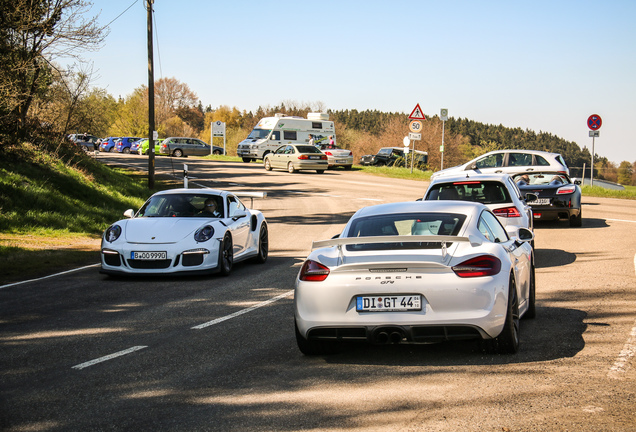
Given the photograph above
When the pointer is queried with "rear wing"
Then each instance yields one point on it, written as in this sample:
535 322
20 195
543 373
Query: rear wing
251 196
443 239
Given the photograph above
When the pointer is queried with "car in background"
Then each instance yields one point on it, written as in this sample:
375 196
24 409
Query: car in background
416 272
337 156
389 156
183 146
108 144
497 191
85 141
296 157
143 145
189 231
511 162
123 144
557 196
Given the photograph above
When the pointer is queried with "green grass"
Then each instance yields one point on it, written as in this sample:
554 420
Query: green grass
597 191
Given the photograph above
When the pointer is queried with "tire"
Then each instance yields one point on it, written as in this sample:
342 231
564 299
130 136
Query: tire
347 167
226 255
216 152
532 309
577 221
268 166
311 347
290 168
112 150
320 171
263 244
508 340
126 150
177 153
247 160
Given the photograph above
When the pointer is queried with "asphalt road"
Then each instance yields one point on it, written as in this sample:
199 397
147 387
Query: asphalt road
82 351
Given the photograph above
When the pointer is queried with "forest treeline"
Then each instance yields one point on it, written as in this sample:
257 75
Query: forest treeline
39 98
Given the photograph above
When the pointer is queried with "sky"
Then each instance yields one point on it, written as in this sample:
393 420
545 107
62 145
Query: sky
545 66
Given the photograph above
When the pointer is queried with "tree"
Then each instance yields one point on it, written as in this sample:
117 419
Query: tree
625 173
33 33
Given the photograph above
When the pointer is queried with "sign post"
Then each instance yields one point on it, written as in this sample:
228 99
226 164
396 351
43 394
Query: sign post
443 115
594 122
218 130
416 127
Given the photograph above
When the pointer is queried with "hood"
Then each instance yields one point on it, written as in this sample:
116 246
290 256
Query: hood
161 230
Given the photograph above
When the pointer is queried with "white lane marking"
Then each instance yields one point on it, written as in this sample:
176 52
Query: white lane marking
108 357
49 276
622 362
243 311
620 220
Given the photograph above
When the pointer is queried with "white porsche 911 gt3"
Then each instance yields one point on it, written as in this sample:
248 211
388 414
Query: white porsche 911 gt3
417 272
186 231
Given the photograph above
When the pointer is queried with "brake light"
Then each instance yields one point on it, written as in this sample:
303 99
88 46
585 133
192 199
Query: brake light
566 190
303 157
313 271
507 212
466 182
484 265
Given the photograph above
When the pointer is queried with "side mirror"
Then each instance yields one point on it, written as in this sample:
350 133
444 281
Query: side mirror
530 197
130 213
525 234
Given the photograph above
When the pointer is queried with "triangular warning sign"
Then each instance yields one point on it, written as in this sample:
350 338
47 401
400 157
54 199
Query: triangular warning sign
417 113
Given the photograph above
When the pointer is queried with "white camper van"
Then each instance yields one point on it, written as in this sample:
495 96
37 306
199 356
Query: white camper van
272 132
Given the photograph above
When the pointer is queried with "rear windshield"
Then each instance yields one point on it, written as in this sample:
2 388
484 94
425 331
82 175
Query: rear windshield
307 149
405 225
485 192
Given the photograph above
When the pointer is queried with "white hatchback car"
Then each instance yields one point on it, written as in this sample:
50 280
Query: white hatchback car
511 162
497 191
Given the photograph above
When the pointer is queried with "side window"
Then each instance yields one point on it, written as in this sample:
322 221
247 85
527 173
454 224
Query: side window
491 161
289 150
519 159
483 228
290 135
316 125
541 161
495 227
280 150
275 136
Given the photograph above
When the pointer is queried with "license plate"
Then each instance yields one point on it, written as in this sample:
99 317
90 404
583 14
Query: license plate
389 303
314 157
149 255
341 161
540 201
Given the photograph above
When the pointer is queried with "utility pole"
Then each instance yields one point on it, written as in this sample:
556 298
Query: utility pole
151 102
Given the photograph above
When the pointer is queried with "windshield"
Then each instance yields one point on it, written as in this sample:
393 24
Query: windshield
259 133
182 205
405 225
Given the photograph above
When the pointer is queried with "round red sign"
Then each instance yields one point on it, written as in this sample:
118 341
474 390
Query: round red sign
594 122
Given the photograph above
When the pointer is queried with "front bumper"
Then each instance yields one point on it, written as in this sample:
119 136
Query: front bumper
192 261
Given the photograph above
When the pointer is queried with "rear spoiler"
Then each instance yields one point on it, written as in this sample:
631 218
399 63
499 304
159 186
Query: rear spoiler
341 241
251 195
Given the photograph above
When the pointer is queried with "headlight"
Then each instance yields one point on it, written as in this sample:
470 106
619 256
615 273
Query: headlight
204 234
112 233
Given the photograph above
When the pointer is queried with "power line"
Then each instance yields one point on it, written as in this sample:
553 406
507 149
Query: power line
118 16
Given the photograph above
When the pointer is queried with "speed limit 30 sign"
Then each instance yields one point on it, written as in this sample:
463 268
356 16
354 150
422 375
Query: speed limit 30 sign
415 126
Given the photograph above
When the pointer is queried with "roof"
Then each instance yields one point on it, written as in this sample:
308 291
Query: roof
461 207
470 175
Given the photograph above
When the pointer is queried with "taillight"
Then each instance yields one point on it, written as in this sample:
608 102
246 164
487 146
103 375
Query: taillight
303 157
350 153
507 212
313 272
484 265
566 190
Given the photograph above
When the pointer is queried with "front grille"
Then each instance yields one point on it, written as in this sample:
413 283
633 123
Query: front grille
150 264
190 260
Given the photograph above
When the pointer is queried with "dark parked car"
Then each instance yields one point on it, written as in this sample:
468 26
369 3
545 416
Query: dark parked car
559 197
108 145
123 144
85 141
388 156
